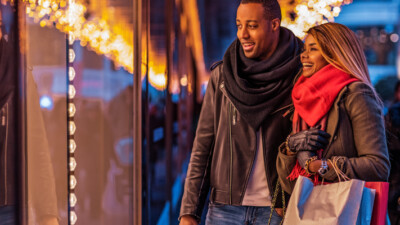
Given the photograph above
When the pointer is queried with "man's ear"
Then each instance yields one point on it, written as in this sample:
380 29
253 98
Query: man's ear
276 23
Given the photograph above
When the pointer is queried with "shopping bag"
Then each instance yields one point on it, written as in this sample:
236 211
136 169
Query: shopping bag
381 201
330 204
366 207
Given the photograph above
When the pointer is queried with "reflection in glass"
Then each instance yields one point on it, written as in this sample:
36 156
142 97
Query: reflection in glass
47 164
8 116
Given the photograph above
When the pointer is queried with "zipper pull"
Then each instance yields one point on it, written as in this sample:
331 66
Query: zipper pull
234 116
291 109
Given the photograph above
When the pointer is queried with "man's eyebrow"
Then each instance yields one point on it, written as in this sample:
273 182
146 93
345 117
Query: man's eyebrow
237 20
312 44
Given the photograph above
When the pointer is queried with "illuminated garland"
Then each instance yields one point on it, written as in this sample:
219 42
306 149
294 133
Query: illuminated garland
98 35
93 32
301 15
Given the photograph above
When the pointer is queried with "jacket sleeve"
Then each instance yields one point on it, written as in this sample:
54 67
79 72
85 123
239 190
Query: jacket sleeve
284 166
197 180
372 162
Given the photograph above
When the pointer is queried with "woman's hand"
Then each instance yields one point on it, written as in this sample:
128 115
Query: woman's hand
303 156
188 220
316 164
308 140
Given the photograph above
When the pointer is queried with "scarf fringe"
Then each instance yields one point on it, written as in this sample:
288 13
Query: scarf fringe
298 171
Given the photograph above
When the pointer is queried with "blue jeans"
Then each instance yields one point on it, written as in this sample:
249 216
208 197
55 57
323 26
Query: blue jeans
219 214
7 215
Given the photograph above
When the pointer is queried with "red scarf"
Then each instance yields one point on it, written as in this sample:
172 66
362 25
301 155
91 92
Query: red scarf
313 97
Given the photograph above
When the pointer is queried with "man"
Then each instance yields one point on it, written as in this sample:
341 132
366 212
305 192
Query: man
243 121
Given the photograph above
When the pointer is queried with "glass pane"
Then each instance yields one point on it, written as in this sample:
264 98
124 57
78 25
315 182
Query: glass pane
46 123
104 118
104 140
98 64
156 117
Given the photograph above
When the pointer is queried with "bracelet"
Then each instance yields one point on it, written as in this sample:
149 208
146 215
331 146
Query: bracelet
324 167
308 164
287 145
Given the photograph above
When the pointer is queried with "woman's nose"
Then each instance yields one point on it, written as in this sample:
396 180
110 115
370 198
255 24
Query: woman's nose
304 55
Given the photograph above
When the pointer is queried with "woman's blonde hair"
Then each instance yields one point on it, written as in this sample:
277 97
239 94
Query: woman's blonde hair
341 48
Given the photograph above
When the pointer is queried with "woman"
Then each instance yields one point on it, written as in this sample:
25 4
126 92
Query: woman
338 119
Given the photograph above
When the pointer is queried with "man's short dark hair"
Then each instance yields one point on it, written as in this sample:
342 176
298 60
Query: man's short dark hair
272 8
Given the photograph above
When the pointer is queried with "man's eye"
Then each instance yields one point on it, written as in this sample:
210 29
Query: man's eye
238 25
252 26
313 49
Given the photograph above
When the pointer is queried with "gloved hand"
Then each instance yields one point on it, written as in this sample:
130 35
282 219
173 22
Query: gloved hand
303 156
308 140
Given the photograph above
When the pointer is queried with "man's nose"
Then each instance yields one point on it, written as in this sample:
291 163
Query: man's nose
243 33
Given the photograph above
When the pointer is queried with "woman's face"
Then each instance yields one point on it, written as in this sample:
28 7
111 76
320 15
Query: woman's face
311 57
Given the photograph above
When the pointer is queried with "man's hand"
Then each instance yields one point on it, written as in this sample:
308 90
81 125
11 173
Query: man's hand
308 140
188 220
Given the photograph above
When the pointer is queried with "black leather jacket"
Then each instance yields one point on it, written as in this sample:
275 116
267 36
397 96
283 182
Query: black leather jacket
8 116
224 150
7 154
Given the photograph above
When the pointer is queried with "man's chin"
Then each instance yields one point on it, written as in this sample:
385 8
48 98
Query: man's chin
250 55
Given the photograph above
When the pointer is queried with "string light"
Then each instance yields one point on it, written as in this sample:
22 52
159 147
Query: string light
301 15
72 146
72 199
93 32
68 21
101 37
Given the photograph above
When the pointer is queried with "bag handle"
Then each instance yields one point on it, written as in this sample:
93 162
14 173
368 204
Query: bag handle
338 172
275 197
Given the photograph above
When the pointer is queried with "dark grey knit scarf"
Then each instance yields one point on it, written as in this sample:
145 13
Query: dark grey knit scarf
258 88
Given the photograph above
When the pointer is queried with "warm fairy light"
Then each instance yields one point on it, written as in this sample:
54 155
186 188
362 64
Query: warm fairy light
101 37
72 128
73 218
158 81
72 146
72 182
71 109
309 13
72 164
71 73
72 199
184 81
71 55
71 91
94 32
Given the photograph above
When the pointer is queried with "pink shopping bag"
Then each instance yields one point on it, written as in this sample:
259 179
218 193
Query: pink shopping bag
380 203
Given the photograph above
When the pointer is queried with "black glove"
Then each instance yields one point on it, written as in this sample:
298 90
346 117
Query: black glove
303 156
308 140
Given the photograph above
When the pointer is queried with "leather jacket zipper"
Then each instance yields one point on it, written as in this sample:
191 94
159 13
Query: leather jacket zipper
231 150
4 122
234 116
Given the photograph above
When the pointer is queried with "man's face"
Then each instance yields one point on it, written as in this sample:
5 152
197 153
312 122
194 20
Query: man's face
255 33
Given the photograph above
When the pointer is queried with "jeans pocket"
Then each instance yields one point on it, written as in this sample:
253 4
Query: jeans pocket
274 213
